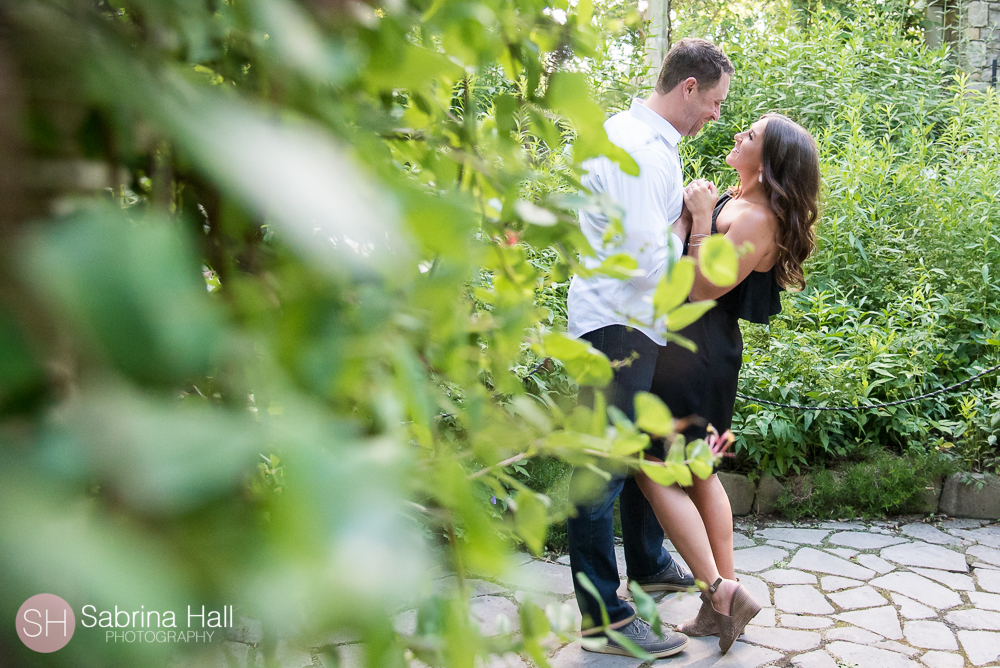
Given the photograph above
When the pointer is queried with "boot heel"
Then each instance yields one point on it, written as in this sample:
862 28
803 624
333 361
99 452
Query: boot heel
742 609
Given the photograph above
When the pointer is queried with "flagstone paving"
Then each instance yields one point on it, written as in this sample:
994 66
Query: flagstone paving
903 594
782 576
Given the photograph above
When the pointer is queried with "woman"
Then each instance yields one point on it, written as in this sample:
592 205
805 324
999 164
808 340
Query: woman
773 208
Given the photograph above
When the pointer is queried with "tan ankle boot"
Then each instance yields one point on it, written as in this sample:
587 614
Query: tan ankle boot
742 609
702 625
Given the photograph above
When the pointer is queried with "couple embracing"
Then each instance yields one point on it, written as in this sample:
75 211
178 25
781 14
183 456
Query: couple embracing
774 208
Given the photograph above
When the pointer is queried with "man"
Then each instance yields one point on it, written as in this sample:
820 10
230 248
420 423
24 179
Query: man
690 90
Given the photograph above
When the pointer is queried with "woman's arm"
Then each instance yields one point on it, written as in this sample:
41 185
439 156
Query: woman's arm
755 225
700 197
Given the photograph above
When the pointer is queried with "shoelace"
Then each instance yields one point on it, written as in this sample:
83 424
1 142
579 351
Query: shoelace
642 628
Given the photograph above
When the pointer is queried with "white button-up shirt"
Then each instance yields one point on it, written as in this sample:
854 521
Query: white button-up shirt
652 202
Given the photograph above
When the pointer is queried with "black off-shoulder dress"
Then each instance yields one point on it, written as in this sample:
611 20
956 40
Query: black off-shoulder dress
704 383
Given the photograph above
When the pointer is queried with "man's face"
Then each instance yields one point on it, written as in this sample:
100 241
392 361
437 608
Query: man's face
704 105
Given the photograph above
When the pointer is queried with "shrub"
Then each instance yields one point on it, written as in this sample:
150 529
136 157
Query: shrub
883 484
551 477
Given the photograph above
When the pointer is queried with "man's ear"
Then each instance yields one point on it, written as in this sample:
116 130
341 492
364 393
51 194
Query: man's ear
688 86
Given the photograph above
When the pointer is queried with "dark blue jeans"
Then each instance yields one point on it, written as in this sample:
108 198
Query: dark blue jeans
591 534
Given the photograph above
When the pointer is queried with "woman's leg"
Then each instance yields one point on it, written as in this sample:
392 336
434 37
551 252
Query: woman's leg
685 526
712 502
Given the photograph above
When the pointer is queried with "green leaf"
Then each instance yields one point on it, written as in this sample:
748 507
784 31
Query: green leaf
504 110
718 261
132 287
561 346
534 621
629 444
535 626
590 369
676 453
681 473
619 419
531 521
659 474
652 415
414 68
22 377
297 40
310 185
701 461
482 546
584 363
544 128
569 95
599 416
589 587
674 289
682 341
575 440
685 314
154 453
620 265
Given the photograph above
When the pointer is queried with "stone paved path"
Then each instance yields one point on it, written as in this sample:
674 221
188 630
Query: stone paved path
903 594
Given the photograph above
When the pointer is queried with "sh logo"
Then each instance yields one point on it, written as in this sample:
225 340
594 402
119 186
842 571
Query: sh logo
45 623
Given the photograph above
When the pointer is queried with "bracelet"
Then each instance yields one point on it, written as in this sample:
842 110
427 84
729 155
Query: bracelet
701 235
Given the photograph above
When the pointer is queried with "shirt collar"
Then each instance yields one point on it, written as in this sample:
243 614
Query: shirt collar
655 121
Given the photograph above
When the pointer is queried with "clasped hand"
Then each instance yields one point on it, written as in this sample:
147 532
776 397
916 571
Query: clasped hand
700 197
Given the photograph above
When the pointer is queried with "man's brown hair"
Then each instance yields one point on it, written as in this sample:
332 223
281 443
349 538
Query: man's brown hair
692 57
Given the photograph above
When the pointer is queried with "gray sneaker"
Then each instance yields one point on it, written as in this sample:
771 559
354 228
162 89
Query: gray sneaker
639 632
672 578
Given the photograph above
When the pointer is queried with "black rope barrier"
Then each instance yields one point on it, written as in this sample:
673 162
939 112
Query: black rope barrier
872 406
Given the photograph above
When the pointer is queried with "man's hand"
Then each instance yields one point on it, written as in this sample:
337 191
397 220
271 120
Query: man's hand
700 197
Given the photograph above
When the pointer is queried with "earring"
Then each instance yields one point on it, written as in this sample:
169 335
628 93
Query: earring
760 177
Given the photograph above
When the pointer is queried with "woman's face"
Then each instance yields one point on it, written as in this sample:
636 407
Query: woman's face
746 156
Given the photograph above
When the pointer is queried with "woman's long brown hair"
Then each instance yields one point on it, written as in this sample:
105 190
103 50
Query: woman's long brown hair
791 182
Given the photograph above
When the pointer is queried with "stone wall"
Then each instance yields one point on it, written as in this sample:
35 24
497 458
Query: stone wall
980 39
976 496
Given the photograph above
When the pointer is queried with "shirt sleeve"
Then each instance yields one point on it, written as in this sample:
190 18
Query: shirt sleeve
652 201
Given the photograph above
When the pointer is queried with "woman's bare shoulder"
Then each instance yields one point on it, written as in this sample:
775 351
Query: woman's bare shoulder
747 219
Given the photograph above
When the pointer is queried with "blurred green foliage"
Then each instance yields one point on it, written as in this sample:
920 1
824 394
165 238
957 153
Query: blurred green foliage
274 277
